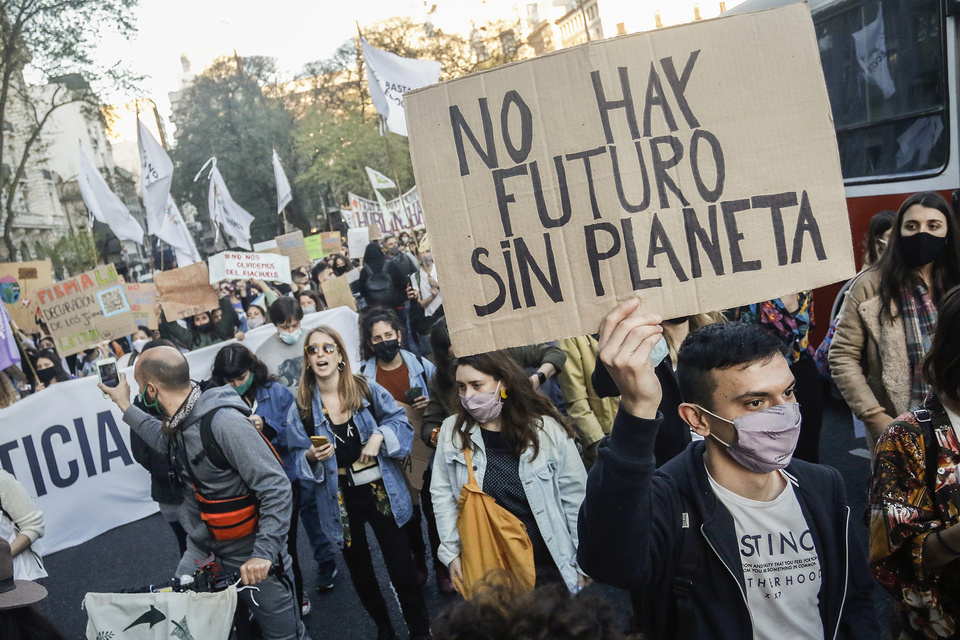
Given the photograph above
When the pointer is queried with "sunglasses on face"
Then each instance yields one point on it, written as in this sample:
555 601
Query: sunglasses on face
314 349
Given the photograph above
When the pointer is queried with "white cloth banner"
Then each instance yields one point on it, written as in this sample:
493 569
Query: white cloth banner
104 204
393 216
390 76
69 446
246 266
156 174
223 210
871 48
161 615
175 233
284 195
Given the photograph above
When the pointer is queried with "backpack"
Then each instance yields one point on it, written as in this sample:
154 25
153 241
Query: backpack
379 289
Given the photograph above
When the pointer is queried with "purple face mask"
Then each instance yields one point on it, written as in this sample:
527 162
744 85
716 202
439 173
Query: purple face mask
765 439
483 407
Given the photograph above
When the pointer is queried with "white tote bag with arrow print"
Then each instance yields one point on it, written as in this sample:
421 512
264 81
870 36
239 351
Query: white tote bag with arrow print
155 616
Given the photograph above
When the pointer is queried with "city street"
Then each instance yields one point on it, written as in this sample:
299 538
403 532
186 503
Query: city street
145 552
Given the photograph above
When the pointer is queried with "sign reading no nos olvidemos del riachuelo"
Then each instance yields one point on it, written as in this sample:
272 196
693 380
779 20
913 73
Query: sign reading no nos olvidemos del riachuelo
696 167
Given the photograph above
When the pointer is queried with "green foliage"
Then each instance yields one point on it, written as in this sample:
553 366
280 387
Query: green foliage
70 254
226 113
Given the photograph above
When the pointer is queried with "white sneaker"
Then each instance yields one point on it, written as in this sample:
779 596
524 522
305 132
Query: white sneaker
304 607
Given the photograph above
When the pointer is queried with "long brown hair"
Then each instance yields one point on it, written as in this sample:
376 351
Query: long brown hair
523 407
353 389
941 365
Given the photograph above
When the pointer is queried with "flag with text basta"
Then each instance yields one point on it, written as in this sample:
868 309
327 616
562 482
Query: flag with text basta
103 204
390 76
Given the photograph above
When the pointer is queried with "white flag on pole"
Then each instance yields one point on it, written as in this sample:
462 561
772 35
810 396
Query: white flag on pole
390 76
103 204
223 210
284 196
380 181
870 44
156 174
175 233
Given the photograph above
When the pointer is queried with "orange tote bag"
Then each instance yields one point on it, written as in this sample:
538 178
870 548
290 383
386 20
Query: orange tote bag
491 538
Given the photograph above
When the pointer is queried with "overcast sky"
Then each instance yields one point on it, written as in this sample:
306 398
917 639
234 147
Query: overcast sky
293 31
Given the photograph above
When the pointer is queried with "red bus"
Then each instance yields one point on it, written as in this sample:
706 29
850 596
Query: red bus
891 72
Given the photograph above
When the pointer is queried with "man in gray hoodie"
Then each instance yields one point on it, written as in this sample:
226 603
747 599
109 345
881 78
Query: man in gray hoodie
163 377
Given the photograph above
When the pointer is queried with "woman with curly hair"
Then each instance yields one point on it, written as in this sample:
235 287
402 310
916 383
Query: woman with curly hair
522 454
915 498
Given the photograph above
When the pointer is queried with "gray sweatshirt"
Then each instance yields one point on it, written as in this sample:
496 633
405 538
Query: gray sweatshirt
254 469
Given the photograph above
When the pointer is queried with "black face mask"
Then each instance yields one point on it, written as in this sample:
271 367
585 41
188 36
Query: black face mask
386 350
206 328
679 320
921 249
47 375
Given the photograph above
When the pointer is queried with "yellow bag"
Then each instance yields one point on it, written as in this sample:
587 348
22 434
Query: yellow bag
491 538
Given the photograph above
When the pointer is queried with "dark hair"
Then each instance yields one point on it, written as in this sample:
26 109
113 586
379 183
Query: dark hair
446 364
169 372
317 269
233 361
285 309
894 270
522 407
348 265
941 365
26 623
501 610
313 295
880 223
720 346
372 317
373 257
52 356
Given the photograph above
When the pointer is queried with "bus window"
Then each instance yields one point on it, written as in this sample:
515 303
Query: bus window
883 61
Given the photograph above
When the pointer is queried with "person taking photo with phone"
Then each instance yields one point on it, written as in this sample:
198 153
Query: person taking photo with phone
348 437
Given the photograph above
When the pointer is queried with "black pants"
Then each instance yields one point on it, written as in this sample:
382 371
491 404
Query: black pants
809 393
395 547
292 541
426 503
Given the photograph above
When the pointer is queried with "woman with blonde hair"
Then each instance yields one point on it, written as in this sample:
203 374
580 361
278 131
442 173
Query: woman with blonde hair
348 435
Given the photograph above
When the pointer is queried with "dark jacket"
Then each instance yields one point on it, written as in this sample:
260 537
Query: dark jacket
674 434
163 489
633 524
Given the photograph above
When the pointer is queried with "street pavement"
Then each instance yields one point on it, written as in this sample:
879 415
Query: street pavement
145 552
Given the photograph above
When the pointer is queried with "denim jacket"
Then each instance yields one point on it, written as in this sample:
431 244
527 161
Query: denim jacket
554 483
382 416
419 370
273 405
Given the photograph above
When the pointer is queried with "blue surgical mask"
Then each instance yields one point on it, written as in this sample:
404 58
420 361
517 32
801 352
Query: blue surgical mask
660 352
290 338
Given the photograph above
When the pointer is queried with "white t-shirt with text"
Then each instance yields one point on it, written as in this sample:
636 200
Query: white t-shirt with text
781 567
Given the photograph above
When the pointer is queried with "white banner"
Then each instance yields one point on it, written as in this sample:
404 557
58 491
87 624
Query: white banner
224 210
393 217
156 174
104 204
284 196
70 448
247 266
389 76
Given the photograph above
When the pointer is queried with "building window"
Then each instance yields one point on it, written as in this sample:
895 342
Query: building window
621 29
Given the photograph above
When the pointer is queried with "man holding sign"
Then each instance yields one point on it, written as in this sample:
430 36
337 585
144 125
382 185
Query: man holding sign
730 539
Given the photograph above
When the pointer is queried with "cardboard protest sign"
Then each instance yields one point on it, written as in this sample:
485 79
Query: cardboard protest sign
142 297
695 167
357 241
231 265
292 246
416 463
332 242
336 292
84 311
185 291
266 245
19 282
314 246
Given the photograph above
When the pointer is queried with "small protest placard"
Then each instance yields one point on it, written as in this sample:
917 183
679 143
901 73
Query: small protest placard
696 167
231 265
314 245
142 297
19 282
336 292
186 291
292 246
357 241
332 242
84 311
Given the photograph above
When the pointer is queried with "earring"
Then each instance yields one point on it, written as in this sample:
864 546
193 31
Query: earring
341 366
503 394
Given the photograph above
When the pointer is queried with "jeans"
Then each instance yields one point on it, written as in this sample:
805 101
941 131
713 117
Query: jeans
324 551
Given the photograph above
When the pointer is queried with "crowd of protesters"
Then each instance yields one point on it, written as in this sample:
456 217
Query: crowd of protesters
675 458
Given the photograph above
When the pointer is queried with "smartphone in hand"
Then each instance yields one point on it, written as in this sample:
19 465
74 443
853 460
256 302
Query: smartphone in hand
412 394
107 371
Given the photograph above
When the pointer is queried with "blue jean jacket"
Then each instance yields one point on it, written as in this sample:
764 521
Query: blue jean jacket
382 416
419 370
273 405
